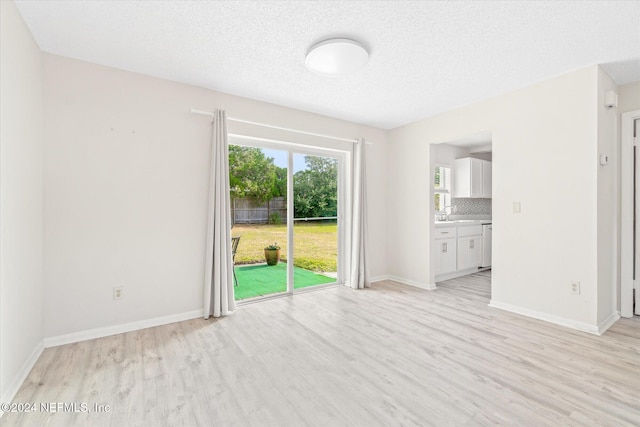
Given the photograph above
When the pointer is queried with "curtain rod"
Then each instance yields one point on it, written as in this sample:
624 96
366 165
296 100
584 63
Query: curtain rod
210 114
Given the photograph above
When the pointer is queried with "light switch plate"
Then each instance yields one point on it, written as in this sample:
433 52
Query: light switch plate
516 207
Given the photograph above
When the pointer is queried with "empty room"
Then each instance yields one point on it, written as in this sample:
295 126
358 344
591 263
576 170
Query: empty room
319 213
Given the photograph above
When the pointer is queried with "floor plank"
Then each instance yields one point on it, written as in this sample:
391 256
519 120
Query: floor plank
391 355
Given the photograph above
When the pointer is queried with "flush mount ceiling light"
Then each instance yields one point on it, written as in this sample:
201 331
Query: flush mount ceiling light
335 57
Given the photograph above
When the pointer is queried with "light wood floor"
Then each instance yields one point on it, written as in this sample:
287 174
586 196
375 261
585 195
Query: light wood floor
386 356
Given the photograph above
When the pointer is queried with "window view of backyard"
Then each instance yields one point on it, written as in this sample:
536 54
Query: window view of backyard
442 189
258 180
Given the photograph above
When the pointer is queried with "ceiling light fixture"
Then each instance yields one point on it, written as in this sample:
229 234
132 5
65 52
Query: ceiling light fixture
336 57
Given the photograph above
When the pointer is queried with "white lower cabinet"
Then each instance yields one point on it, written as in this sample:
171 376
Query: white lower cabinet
445 249
469 247
469 252
445 256
457 249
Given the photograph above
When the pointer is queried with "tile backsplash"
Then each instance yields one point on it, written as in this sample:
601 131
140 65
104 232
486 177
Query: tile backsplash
471 206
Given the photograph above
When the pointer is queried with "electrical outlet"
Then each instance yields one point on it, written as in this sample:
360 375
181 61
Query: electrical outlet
117 293
574 287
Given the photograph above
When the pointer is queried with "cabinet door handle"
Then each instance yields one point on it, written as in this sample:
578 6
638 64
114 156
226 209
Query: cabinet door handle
444 248
471 244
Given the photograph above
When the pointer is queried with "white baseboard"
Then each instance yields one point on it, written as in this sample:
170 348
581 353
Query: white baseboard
608 322
119 329
17 382
379 278
427 286
551 318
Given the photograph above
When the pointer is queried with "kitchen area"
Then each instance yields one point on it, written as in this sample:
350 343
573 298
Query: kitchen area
462 182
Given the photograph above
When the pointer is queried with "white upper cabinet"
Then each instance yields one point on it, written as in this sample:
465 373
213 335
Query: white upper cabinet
472 178
486 179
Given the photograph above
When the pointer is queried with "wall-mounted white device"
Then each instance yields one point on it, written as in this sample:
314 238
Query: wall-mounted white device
604 159
611 99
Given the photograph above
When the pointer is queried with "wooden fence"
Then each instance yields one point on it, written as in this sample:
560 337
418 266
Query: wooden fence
248 211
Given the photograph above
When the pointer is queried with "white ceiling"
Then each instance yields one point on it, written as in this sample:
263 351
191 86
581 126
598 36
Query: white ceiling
426 57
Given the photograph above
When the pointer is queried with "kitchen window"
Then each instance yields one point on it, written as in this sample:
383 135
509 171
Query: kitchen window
442 187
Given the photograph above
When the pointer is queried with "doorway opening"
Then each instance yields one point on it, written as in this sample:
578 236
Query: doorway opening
629 206
287 205
461 212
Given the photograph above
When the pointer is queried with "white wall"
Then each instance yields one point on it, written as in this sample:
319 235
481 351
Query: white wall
446 154
550 126
629 97
21 218
608 201
126 167
484 156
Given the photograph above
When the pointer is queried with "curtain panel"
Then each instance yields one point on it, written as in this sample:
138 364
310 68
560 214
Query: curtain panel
219 298
359 274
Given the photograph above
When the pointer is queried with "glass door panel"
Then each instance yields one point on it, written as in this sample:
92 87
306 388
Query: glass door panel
258 187
315 233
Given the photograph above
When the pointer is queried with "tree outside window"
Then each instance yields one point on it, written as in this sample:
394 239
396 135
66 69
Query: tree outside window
442 188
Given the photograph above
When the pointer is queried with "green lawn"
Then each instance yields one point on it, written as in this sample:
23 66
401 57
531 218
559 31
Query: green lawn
258 280
316 244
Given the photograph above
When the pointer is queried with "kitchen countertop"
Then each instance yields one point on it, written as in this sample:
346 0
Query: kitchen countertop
462 222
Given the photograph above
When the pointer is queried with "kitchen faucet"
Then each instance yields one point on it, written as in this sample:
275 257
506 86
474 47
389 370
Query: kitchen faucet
443 212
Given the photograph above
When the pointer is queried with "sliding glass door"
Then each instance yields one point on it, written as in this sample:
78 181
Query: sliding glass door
258 187
286 214
315 222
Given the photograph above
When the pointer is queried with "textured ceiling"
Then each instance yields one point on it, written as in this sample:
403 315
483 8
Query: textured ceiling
426 57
